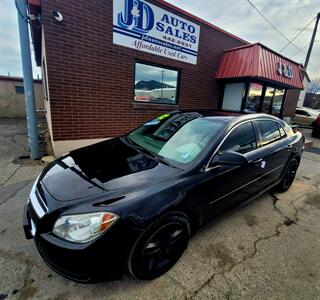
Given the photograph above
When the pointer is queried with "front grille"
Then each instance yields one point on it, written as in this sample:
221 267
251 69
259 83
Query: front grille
37 202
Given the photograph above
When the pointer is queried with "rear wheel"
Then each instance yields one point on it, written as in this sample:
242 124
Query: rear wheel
288 176
159 247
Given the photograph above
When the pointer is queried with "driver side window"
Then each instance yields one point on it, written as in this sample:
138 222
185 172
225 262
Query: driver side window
242 139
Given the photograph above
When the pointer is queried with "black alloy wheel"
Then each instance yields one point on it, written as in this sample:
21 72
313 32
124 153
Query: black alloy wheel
289 176
159 247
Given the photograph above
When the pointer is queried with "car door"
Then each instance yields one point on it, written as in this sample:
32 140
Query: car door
302 117
274 150
228 185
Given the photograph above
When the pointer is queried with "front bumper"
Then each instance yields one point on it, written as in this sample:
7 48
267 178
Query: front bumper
102 259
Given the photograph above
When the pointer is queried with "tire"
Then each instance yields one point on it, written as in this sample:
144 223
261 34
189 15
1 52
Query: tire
288 176
159 247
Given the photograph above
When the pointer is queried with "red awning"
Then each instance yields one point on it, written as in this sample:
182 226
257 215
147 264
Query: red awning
259 62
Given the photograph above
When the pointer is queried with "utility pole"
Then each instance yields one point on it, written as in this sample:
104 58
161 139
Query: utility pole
33 141
311 42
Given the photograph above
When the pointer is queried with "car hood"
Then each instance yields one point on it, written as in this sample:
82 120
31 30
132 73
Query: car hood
103 167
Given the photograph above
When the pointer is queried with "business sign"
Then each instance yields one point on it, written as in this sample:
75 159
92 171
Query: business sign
142 26
285 70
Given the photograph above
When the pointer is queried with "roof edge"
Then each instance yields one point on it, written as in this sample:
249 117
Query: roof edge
266 47
18 79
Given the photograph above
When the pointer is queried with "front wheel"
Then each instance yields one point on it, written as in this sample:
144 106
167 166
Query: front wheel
159 247
288 176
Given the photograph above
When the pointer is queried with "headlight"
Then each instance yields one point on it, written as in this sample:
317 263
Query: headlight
83 228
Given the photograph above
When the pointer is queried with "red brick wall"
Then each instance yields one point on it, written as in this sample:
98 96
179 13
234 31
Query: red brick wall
92 80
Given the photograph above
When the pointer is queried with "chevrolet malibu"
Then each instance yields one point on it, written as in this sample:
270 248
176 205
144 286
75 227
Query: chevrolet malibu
131 203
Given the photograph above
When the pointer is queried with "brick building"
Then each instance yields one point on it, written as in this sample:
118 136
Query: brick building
12 99
110 65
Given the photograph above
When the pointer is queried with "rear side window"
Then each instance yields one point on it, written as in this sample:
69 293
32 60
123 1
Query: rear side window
301 112
282 132
242 139
269 131
288 129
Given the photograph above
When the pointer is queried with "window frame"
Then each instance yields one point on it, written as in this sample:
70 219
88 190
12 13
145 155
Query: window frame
260 145
282 102
257 134
234 128
19 89
217 149
152 64
261 97
247 82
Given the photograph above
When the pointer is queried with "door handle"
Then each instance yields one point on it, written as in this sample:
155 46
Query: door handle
257 161
289 147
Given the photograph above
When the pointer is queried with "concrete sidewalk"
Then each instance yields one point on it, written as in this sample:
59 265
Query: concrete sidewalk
267 249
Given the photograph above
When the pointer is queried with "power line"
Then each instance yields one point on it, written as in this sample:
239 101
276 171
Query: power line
302 30
293 55
273 26
307 8
300 50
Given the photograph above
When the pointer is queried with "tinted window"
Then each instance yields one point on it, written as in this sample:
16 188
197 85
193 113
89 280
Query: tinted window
269 131
288 129
301 112
282 132
277 101
268 99
254 97
242 139
232 97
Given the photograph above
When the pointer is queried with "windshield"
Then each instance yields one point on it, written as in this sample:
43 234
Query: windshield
313 112
180 138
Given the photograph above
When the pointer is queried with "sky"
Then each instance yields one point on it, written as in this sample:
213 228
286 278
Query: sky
146 73
10 57
235 16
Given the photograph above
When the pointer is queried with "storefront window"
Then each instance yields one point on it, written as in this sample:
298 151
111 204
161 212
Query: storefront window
155 84
277 102
254 97
233 95
267 101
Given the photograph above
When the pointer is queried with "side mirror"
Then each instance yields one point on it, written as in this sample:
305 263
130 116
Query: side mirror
229 158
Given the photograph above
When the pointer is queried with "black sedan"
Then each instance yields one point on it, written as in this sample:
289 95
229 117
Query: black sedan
131 203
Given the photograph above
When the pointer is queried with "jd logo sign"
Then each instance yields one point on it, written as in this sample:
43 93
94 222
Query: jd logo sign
135 12
145 27
285 70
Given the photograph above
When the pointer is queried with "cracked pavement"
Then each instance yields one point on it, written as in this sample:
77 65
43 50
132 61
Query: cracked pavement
266 249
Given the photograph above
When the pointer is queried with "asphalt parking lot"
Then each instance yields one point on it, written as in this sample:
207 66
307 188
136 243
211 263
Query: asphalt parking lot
268 249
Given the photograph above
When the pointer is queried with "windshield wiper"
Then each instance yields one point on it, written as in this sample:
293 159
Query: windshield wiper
157 157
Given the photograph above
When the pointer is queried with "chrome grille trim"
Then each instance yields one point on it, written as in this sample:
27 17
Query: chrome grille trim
40 209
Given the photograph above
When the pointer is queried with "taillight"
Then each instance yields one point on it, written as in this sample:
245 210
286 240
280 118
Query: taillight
318 121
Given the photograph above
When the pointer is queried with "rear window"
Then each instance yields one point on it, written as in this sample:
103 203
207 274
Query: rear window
269 131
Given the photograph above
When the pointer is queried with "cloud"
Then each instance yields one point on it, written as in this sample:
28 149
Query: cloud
235 16
10 57
240 18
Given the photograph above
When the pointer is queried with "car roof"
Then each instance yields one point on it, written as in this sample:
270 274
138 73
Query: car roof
231 120
238 119
306 108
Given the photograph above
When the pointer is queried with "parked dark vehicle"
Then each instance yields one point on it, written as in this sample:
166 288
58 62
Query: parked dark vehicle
131 203
316 128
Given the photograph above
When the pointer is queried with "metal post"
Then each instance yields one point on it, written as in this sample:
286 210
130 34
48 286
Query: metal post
162 84
311 42
33 141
